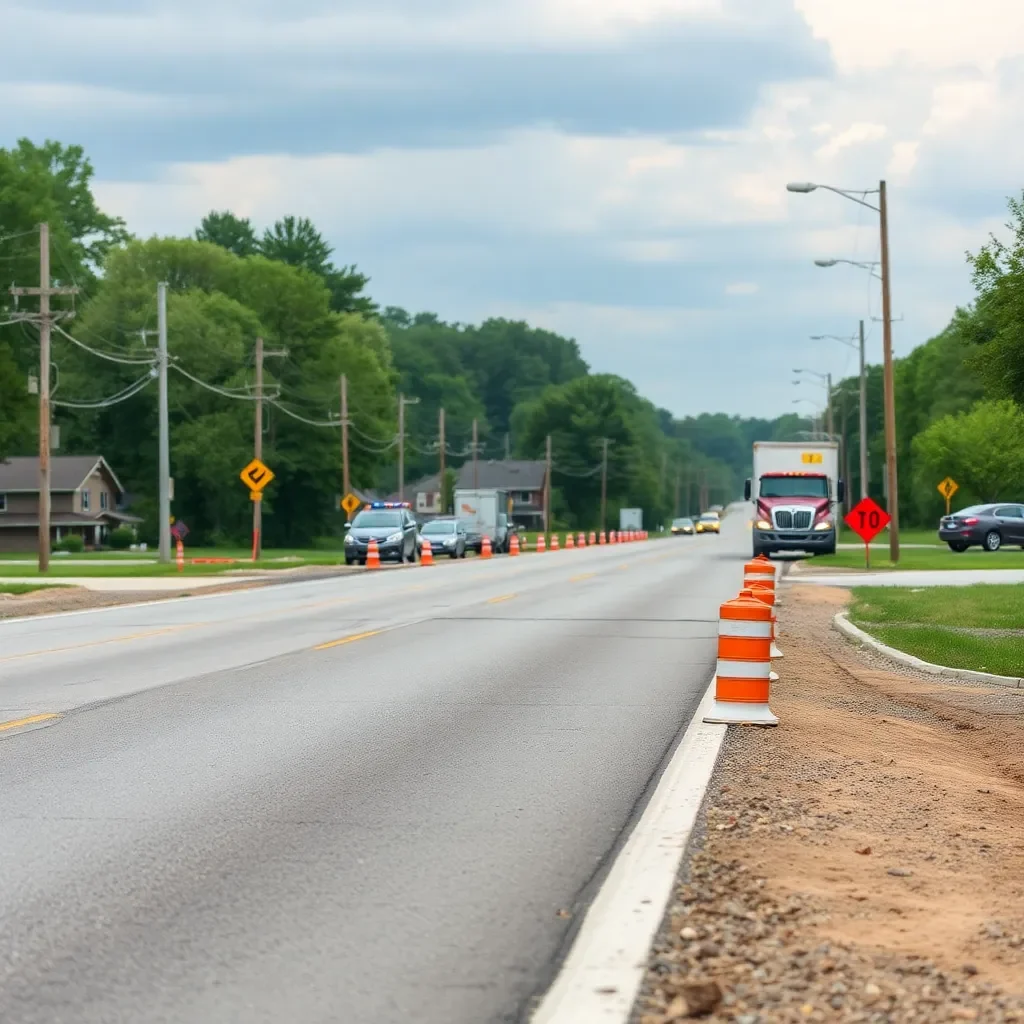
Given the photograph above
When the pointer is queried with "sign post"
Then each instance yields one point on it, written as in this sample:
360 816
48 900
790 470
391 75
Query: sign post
947 489
256 476
867 519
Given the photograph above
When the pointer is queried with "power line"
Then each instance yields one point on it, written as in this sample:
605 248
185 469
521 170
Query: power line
122 396
126 361
213 387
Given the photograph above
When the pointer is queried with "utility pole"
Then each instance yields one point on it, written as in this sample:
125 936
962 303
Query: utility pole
547 485
44 291
831 421
257 506
689 492
441 453
402 403
675 505
892 503
604 482
476 462
664 469
863 419
164 432
346 484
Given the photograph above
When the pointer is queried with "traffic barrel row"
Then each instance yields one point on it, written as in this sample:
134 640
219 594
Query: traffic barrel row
746 647
583 540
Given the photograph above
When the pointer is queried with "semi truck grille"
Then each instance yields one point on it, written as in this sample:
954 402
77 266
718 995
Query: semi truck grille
784 519
801 520
793 518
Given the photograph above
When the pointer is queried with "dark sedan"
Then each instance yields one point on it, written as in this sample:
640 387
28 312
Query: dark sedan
683 527
390 524
987 526
446 536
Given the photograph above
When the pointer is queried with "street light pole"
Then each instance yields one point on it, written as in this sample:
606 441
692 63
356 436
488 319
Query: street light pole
889 396
889 382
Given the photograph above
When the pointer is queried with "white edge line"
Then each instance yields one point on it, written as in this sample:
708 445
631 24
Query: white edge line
602 974
845 626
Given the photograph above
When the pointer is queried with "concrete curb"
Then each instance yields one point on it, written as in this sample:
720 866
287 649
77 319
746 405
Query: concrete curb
606 965
848 629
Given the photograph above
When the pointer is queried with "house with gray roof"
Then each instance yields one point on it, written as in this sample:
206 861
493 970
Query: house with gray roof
86 498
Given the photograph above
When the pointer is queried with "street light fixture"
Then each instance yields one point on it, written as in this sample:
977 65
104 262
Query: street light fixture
853 263
882 209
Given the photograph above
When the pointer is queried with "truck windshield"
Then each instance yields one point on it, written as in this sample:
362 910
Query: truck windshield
794 487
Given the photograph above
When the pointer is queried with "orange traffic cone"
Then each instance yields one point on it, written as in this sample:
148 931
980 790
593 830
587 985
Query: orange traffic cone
372 554
485 547
592 539
513 547
601 538
427 554
554 542
569 542
581 541
743 678
541 546
180 553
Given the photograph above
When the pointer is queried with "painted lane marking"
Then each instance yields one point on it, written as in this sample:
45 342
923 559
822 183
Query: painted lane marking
347 639
582 576
31 720
503 597
100 643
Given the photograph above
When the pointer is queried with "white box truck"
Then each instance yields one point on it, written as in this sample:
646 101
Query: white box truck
795 490
484 513
631 518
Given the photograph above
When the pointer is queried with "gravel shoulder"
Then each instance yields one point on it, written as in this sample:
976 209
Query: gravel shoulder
862 862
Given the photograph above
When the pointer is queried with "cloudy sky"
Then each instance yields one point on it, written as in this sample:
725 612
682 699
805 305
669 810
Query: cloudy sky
611 169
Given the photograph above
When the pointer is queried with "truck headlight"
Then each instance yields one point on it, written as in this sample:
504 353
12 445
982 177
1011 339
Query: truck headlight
763 524
825 524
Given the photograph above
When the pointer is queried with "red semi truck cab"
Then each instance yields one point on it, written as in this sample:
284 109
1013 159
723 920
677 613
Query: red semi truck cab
795 488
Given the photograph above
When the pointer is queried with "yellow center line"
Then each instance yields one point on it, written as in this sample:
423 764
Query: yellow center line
582 576
100 643
347 640
625 565
503 597
31 720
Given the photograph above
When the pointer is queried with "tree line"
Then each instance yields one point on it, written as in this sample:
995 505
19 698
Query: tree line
231 282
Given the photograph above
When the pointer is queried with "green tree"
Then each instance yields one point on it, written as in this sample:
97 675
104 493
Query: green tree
223 228
982 449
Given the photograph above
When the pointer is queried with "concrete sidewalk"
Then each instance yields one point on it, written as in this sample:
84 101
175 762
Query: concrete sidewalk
909 578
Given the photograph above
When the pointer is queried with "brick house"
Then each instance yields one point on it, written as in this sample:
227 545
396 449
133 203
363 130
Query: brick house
86 498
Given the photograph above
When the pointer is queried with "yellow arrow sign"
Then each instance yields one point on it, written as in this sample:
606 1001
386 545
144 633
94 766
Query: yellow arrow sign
948 488
350 503
256 475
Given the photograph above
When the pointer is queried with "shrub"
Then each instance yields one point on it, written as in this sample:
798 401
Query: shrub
72 543
122 538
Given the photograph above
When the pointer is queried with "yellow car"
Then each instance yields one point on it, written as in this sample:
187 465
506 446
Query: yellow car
709 523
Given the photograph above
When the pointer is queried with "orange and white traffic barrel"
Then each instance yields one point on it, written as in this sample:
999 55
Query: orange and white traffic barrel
765 592
513 546
592 539
554 542
485 547
541 544
372 554
743 676
426 553
602 538
569 542
581 540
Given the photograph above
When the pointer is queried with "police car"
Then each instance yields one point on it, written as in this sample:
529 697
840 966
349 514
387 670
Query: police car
391 524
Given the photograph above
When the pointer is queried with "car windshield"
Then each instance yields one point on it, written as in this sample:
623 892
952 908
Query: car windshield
680 522
448 527
794 487
376 518
709 517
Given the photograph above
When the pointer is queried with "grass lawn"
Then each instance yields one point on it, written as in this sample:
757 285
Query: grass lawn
923 558
929 537
27 588
925 623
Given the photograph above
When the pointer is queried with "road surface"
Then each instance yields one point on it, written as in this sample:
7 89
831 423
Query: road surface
365 799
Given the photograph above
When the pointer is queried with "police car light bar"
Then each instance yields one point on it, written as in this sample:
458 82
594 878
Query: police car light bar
389 504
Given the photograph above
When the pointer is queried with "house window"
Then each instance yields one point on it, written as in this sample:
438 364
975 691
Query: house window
85 501
104 500
3 502
526 496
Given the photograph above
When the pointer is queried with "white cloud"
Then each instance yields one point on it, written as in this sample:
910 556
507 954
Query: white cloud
742 288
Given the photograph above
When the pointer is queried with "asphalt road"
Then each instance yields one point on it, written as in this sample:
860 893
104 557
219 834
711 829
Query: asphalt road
368 799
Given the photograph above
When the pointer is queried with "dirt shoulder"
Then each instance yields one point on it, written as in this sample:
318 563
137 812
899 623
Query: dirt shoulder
862 862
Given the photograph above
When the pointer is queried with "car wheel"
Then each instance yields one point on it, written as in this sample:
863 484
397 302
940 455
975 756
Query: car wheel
454 555
956 545
350 561
463 554
993 542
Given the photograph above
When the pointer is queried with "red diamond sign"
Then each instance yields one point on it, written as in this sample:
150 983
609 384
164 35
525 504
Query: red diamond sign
867 519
